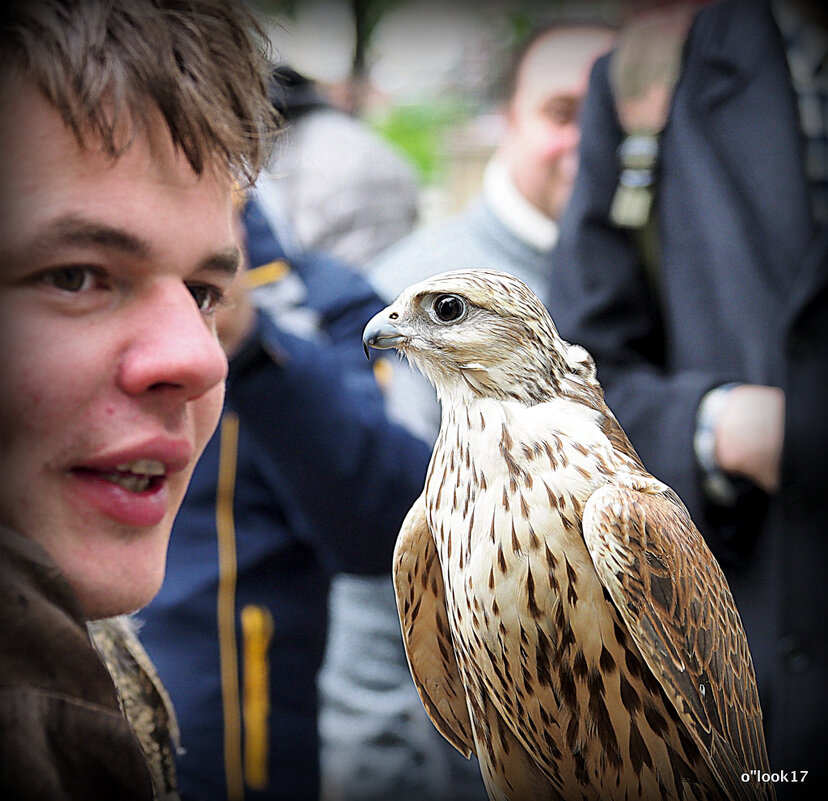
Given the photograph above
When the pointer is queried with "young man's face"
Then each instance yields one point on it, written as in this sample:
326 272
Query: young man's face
111 377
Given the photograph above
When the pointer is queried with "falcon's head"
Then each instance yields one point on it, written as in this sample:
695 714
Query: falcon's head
481 333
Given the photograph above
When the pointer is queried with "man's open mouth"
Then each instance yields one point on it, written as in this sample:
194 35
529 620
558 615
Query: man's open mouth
138 476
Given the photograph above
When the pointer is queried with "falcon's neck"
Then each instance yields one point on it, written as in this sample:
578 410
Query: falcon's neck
510 458
474 382
492 428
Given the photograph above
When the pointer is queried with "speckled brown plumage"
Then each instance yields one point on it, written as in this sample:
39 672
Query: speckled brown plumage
562 616
143 698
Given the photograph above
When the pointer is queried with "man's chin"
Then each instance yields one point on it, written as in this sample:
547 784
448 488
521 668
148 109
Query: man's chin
132 579
114 601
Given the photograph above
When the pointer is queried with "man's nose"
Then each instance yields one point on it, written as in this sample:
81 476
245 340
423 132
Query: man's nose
172 346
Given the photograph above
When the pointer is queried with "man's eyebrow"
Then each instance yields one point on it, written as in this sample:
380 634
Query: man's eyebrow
74 230
225 261
82 232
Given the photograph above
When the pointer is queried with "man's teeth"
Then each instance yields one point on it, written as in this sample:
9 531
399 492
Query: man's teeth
129 481
147 467
135 476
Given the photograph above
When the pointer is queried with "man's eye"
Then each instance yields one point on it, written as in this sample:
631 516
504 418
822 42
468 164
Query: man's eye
71 279
562 112
207 297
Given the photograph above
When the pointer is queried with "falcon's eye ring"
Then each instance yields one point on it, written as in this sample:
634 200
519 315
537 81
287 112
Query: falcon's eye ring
448 308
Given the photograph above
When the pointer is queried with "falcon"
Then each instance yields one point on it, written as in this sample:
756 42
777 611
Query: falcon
562 616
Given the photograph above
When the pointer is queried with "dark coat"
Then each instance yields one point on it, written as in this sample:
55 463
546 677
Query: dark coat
62 732
741 295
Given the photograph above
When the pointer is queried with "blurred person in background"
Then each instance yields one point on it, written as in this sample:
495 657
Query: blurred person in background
715 357
334 184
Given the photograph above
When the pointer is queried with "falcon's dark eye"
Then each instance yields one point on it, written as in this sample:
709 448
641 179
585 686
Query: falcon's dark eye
448 308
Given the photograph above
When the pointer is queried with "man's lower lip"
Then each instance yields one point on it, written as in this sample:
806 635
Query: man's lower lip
138 509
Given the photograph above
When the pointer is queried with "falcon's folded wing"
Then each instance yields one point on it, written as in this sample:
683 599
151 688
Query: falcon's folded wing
674 598
421 602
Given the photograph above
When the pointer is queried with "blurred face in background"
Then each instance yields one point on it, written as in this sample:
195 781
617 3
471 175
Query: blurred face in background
540 144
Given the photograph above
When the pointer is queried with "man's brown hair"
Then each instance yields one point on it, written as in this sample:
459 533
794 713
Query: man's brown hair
107 64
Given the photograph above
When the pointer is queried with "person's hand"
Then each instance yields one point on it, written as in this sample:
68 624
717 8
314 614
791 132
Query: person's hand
749 434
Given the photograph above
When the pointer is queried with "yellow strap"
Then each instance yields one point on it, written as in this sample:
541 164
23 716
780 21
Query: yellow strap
226 606
268 273
383 373
257 631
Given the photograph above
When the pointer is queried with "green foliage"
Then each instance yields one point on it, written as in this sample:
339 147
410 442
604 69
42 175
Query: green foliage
419 130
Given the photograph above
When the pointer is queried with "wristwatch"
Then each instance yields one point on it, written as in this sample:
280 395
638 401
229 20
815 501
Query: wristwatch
717 484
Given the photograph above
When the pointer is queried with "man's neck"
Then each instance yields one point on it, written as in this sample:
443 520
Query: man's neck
521 217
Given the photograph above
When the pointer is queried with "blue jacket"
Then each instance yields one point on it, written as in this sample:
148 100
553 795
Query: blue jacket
305 476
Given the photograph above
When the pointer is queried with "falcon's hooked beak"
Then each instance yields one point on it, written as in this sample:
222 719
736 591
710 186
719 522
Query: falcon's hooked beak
381 333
